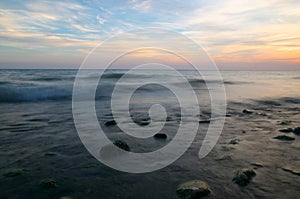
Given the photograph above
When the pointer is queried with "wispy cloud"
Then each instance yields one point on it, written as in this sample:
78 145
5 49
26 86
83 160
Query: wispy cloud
141 5
231 31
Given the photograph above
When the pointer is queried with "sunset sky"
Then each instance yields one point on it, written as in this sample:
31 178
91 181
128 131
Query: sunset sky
237 34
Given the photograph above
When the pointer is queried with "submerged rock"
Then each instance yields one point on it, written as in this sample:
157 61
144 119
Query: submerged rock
122 145
297 131
226 148
50 154
204 121
285 122
287 130
160 136
142 122
234 141
262 114
110 123
257 165
114 150
48 183
194 189
13 172
284 138
247 111
243 177
224 157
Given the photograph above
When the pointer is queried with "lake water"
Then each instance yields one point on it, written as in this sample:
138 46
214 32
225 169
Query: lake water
38 138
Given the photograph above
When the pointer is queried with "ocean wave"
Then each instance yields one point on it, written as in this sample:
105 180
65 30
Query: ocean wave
196 81
202 81
53 79
119 75
32 94
112 75
4 82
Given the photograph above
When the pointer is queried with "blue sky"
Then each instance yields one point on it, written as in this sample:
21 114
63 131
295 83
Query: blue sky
236 34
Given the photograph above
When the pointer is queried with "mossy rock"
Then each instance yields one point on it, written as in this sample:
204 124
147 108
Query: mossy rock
243 177
194 189
48 183
122 145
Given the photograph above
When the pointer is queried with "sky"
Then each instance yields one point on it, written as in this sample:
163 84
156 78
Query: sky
237 34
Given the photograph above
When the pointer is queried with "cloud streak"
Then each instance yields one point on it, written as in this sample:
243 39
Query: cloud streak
231 31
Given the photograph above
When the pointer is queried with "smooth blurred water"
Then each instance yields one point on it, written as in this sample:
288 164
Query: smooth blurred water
42 85
36 120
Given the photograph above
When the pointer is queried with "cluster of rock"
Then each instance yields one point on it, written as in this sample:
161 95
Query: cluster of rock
196 189
296 131
123 145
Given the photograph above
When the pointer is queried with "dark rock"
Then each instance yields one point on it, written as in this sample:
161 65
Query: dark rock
234 141
287 130
225 157
143 123
177 115
297 131
50 154
122 145
204 121
243 131
226 148
48 183
160 136
110 123
284 138
194 189
169 119
262 114
13 172
257 165
243 177
114 150
247 111
285 122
